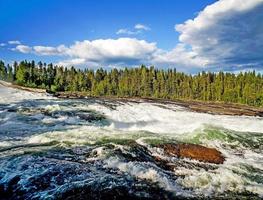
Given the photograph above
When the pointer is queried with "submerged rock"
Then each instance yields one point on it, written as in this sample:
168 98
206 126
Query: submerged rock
194 151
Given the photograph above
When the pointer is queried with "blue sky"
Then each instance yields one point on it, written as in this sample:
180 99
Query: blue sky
117 33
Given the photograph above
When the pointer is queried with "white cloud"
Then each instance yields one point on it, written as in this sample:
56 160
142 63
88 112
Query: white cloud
118 52
14 42
48 51
98 50
72 62
111 50
23 48
137 29
126 31
228 32
121 51
179 57
142 27
2 44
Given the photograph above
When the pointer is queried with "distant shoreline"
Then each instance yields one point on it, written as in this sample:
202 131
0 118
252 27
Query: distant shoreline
196 106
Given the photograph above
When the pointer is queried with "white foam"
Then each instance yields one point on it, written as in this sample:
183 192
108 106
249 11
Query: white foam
142 170
217 181
11 95
52 108
151 117
5 144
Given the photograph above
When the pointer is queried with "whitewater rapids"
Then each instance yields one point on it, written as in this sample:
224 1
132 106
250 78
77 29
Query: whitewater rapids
54 148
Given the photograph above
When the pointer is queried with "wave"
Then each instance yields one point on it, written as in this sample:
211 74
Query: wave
172 119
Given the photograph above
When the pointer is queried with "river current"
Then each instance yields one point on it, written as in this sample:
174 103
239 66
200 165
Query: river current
105 149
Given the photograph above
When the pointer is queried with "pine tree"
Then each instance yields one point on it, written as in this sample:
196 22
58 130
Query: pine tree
3 71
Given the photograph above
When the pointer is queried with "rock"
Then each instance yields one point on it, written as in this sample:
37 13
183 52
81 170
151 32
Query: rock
91 117
194 151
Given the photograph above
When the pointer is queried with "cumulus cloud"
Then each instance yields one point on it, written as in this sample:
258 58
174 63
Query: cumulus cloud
14 42
228 32
2 44
122 51
180 56
117 52
111 50
23 48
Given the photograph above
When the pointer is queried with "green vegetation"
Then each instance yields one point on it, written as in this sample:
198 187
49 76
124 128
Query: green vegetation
245 88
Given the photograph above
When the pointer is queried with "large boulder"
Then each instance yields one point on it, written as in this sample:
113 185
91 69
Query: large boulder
194 151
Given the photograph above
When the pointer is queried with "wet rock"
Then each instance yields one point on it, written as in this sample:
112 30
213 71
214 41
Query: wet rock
11 110
91 117
135 152
116 188
7 189
187 164
194 151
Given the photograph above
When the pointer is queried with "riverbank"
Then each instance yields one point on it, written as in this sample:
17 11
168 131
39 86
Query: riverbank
7 84
218 108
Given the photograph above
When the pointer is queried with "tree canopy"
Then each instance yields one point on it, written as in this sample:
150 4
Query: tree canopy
244 88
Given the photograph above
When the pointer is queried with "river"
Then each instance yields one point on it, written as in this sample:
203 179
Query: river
103 149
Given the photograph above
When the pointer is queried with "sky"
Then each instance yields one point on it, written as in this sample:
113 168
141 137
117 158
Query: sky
188 35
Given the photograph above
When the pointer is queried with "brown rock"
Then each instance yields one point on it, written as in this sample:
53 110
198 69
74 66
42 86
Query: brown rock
194 151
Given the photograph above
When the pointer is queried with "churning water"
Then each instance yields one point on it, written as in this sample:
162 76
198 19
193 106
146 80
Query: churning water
102 149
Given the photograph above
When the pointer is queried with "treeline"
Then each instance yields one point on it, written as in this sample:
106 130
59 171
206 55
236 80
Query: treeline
245 88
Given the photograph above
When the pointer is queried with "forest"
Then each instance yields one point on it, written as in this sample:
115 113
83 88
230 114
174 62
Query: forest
146 82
